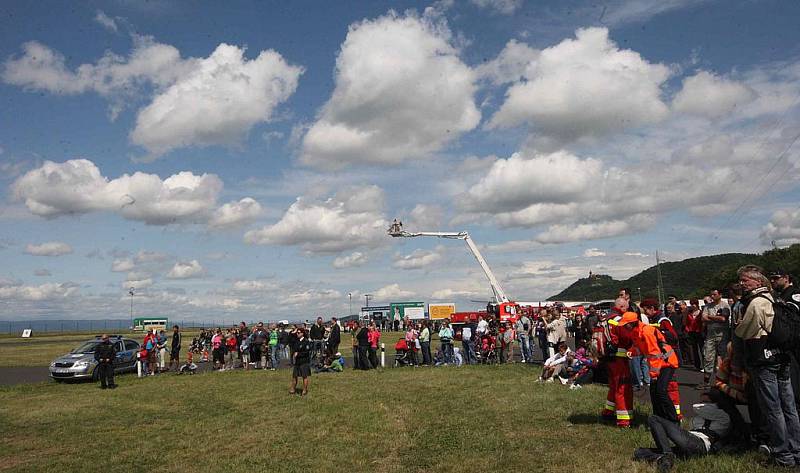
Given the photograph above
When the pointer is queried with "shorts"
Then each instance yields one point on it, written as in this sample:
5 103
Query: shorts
175 354
301 371
152 356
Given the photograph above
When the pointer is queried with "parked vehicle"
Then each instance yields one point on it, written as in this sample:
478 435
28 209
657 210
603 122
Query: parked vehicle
80 362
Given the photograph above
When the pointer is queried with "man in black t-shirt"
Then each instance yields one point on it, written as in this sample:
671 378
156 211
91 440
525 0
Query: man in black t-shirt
301 360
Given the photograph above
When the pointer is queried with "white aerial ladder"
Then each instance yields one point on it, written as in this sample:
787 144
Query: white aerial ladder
506 308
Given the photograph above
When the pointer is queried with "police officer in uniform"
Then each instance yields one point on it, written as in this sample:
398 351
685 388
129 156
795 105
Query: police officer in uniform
104 354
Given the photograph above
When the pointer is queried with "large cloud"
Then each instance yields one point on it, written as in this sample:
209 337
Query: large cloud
49 291
401 93
783 228
218 102
52 248
195 101
581 198
77 186
712 96
519 181
585 86
349 220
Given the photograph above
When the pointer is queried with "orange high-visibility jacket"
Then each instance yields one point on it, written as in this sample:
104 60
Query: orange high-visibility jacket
654 347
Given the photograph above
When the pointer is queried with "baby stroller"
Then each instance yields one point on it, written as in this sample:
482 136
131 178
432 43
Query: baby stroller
402 355
488 350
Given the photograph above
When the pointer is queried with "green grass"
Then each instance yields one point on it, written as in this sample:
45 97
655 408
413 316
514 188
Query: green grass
483 418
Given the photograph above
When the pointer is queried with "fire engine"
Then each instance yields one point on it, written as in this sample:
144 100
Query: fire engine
502 308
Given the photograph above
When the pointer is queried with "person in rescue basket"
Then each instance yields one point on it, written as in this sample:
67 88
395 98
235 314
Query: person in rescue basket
619 401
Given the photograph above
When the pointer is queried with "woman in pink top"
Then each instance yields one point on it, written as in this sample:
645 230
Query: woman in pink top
412 335
374 336
218 350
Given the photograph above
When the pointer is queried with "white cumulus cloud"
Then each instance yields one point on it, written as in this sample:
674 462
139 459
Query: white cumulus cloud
783 228
236 213
710 95
77 186
194 101
51 248
418 259
585 86
186 270
218 102
349 220
353 260
401 93
122 265
392 292
44 292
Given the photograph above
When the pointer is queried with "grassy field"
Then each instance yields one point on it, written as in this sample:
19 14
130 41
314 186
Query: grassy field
478 419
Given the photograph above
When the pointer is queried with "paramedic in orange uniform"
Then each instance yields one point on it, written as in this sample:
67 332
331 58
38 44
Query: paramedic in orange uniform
664 325
662 361
619 402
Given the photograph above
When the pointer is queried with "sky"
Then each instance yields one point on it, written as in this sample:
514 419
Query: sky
243 160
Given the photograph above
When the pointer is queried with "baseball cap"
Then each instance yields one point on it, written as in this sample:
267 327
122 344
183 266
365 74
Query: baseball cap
778 273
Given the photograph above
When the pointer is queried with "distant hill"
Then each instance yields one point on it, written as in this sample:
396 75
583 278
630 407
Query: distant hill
692 277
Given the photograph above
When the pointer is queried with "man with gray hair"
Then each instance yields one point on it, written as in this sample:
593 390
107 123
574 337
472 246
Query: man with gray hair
768 367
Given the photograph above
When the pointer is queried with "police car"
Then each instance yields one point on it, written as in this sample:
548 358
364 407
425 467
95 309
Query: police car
80 362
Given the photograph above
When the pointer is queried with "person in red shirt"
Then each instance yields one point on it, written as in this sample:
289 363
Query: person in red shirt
374 337
694 332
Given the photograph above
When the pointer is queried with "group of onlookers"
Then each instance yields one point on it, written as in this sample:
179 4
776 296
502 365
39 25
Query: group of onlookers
734 344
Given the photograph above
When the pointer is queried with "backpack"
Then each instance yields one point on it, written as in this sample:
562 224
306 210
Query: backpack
600 344
785 333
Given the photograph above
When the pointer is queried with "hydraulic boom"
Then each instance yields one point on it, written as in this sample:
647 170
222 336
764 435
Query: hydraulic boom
396 230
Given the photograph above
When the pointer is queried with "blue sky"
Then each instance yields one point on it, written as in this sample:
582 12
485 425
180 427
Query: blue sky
244 160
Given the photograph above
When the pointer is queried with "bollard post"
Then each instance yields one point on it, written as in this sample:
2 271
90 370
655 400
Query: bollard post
383 355
139 368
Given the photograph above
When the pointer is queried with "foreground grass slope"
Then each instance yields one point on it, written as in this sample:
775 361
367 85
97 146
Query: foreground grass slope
485 418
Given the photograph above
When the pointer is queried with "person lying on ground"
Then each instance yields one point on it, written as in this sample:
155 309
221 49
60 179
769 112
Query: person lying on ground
711 432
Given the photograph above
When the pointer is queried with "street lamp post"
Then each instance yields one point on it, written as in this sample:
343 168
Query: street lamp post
350 296
367 297
131 292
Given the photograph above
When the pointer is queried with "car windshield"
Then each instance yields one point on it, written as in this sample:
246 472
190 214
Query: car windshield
86 347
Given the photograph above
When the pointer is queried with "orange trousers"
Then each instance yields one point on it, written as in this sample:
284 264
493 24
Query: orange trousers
619 402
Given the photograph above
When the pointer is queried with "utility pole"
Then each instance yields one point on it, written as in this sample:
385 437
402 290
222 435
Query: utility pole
350 296
660 289
367 297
